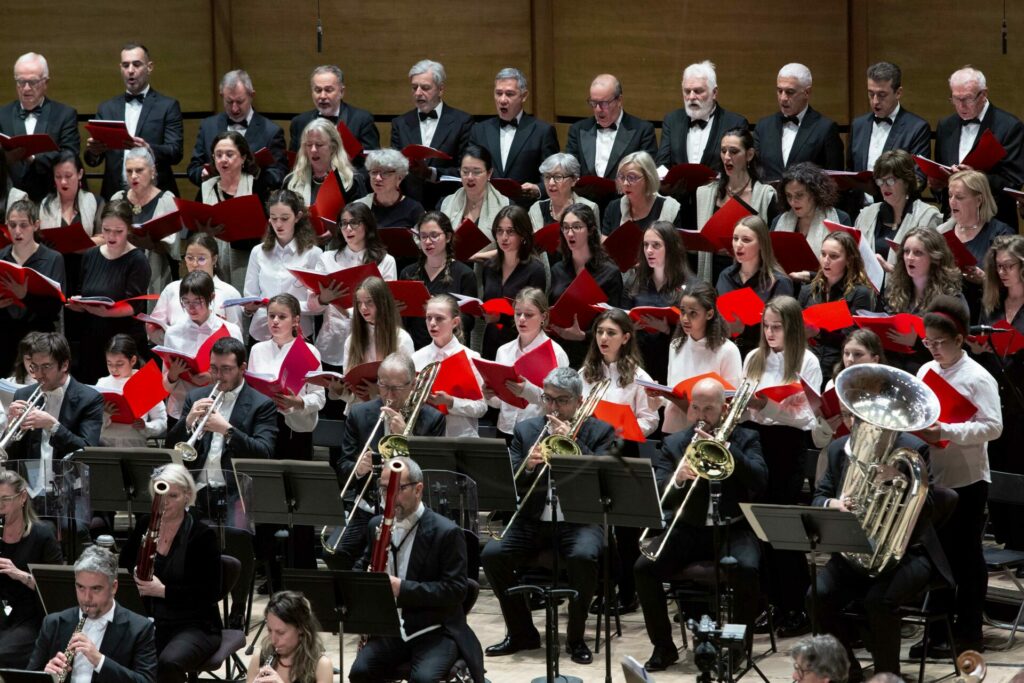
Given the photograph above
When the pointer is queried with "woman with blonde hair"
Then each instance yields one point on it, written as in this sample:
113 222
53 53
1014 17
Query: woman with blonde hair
637 180
320 154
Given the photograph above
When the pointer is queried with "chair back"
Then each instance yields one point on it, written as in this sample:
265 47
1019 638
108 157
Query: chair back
230 570
1006 488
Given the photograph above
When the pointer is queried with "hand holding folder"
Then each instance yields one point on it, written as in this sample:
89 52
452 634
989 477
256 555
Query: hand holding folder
197 363
290 377
138 396
456 379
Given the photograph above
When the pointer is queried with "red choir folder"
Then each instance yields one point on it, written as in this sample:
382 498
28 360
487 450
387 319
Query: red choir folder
826 405
353 148
932 169
5 236
620 416
422 153
741 304
495 375
456 379
719 228
37 143
70 239
964 259
138 396
695 241
780 392
94 303
328 205
987 153
243 300
830 317
400 242
1016 194
623 245
576 302
242 218
263 157
793 252
1005 343
852 180
413 293
364 372
684 387
147 318
346 277
536 364
548 238
477 308
512 189
290 377
687 178
670 314
159 227
113 134
834 227
38 284
881 325
197 363
596 189
469 239
953 406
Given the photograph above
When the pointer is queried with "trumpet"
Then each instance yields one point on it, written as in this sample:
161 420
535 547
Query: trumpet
13 432
69 654
187 449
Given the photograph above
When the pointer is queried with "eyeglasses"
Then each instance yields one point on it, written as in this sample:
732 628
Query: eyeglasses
1007 267
430 236
600 104
800 671
201 260
558 178
383 488
388 388
629 179
560 401
45 367
191 303
932 344
31 83
574 227
882 182
349 223
382 174
471 172
970 99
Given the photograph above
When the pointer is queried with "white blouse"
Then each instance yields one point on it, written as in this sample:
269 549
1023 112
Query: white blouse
266 358
507 354
267 276
632 395
118 435
794 411
186 336
692 358
462 416
168 306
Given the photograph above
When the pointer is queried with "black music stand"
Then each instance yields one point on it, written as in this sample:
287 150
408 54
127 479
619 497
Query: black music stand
22 676
485 461
119 477
55 584
808 529
607 490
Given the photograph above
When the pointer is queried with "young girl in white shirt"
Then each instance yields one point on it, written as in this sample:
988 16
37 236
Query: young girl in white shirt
444 325
531 317
122 362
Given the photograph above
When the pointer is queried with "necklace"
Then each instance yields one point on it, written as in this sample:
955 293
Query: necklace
733 193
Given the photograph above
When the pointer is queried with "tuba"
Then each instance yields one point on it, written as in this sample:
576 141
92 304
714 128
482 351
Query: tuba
709 458
885 487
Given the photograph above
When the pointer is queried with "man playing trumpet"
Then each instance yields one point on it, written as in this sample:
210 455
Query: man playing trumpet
693 538
579 544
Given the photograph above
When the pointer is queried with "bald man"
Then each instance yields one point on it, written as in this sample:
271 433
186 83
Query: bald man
693 537
600 141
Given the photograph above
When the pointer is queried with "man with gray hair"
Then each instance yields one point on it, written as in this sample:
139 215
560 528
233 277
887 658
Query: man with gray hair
34 113
115 645
518 142
434 124
531 532
959 134
236 90
888 125
796 132
328 89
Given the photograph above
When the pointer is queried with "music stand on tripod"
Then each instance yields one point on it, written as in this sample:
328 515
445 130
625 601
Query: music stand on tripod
55 585
119 477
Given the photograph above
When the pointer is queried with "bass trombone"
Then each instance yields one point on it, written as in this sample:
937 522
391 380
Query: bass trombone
14 432
187 449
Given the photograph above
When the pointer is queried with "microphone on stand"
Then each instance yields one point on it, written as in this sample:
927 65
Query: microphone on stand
320 37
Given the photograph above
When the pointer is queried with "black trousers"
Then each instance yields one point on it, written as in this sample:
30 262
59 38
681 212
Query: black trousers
839 583
17 642
961 538
431 656
579 548
689 544
353 542
182 650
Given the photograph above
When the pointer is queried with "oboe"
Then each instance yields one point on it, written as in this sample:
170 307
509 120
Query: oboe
69 654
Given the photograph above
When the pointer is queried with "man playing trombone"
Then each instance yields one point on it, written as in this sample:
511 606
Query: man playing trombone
367 422
693 538
530 532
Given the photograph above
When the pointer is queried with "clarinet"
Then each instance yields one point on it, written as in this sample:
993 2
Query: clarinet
69 654
146 561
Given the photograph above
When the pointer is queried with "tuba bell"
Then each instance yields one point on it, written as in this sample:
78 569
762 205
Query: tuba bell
885 487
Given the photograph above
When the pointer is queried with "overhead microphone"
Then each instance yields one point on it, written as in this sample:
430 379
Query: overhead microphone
320 30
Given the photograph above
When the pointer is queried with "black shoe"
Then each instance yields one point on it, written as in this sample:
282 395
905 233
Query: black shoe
795 624
761 623
235 622
579 652
662 658
937 649
512 645
597 606
263 588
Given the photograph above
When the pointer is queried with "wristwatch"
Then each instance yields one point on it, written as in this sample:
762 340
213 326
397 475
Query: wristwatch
228 434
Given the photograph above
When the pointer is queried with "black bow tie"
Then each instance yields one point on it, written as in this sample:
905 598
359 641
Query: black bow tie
882 119
512 123
791 119
244 123
129 98
424 115
967 122
610 126
37 110
700 123
332 119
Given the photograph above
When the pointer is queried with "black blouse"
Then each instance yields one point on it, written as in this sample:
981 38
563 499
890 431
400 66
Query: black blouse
463 281
979 248
526 274
38 547
613 216
403 214
41 312
729 280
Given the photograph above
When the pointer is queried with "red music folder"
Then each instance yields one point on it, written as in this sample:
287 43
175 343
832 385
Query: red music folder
198 362
400 242
495 375
964 259
741 304
37 283
696 241
620 416
548 238
456 379
346 277
623 245
243 300
263 157
780 392
159 227
1005 343
852 180
881 325
353 148
512 189
793 252
684 387
987 153
242 218
953 406
477 308
413 293
932 169
37 143
364 372
831 316
719 228
93 303
536 364
834 227
69 239
113 134
422 153
826 405
576 301
670 314
596 189
469 239
328 205
687 178
290 377
138 396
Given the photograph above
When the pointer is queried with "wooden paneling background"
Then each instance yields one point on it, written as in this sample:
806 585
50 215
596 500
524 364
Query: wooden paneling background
559 44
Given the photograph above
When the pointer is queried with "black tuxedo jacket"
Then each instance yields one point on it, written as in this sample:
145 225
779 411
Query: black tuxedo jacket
57 120
361 419
159 125
634 135
254 418
676 127
81 419
909 132
435 584
1009 172
128 645
261 132
596 437
817 141
747 483
359 121
535 141
451 136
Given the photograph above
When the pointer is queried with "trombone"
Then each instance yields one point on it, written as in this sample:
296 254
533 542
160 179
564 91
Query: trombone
187 449
555 444
13 432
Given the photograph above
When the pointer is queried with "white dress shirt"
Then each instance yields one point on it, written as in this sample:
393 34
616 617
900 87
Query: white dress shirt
507 354
187 336
794 411
266 359
132 112
506 134
94 629
168 306
697 139
879 134
968 134
241 130
429 126
789 131
213 469
54 400
632 395
692 358
605 141
31 120
267 276
403 535
462 416
117 434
